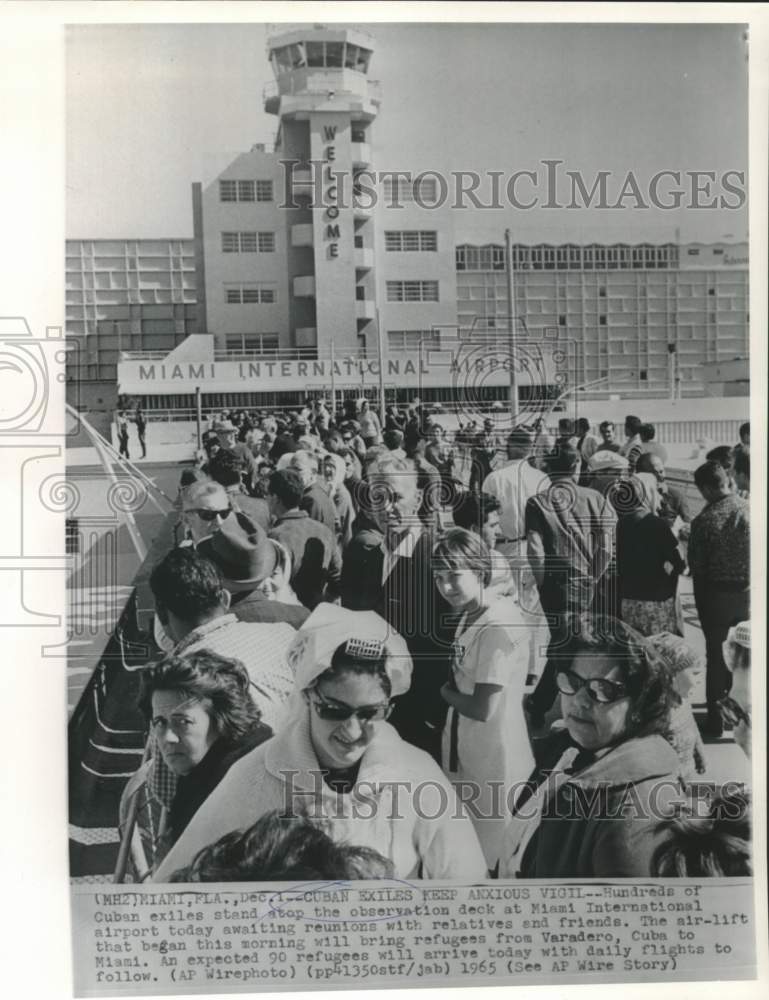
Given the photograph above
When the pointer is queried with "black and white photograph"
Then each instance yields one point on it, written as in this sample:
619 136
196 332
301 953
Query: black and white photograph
394 420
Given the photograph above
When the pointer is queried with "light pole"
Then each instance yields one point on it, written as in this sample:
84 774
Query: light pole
511 327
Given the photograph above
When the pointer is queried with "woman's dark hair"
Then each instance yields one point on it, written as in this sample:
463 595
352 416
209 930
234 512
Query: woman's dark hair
463 549
283 847
221 684
643 672
710 846
346 660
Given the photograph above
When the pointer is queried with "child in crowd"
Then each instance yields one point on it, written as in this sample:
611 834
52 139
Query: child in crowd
485 742
684 666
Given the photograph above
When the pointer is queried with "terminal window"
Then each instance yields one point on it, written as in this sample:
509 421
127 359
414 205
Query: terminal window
412 291
249 294
412 340
246 190
411 240
251 242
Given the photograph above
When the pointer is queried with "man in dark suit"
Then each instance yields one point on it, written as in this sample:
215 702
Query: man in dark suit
388 569
312 546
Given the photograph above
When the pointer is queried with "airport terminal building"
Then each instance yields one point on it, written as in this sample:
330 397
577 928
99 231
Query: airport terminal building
305 275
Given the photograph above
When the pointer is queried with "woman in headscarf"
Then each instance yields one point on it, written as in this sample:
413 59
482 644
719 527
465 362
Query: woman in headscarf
333 472
339 758
648 559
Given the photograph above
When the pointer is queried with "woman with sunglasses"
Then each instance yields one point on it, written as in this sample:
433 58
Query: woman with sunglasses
339 760
593 805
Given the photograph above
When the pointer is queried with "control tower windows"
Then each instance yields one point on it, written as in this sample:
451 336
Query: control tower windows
334 53
315 54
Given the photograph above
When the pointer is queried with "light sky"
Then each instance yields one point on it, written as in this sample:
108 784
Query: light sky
152 108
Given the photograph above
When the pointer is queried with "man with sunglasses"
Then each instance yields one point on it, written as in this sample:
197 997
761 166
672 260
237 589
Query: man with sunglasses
225 469
205 507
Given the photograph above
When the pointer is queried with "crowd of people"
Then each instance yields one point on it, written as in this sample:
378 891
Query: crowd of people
392 652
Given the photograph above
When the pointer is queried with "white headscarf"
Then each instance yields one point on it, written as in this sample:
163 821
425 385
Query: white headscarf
329 627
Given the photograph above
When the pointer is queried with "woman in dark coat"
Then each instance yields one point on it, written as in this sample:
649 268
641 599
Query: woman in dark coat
593 806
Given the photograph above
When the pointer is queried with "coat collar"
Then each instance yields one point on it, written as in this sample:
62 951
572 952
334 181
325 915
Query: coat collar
639 759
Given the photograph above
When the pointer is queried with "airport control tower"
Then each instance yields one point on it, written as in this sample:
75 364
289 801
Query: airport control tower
326 104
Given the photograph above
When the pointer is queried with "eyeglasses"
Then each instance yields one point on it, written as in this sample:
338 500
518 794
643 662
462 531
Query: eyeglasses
732 713
341 713
598 688
209 515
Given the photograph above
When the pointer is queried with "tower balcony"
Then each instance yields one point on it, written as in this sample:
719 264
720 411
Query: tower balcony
363 258
302 235
299 90
365 309
304 286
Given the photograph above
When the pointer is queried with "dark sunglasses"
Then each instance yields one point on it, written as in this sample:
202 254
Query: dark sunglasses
341 713
732 713
598 688
210 515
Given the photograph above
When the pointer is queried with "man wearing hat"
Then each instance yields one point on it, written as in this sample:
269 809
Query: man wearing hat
193 605
254 575
227 433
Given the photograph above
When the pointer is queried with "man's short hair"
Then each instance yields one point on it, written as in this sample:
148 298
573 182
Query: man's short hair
632 424
712 475
744 430
471 510
193 494
224 468
393 439
582 425
564 460
722 454
186 584
566 427
288 486
606 424
647 431
520 440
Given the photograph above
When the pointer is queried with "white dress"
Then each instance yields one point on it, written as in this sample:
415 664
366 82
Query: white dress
487 761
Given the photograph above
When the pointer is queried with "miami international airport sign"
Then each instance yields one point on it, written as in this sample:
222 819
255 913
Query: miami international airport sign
432 368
